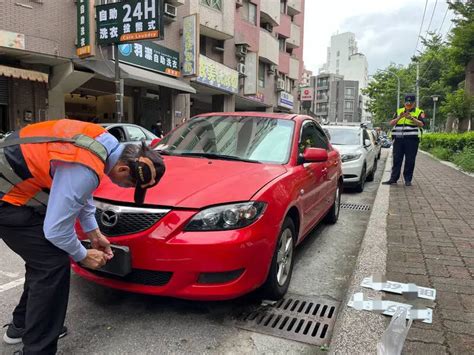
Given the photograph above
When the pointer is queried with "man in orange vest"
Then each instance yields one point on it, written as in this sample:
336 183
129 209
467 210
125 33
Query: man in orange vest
48 173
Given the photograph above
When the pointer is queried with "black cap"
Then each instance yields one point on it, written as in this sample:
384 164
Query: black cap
148 170
410 98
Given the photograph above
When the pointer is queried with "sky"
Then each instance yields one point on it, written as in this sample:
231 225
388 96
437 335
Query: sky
386 30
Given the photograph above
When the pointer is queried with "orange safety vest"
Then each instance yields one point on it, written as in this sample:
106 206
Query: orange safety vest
26 157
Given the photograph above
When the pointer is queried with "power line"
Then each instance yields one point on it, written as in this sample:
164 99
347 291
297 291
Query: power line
421 27
432 15
432 59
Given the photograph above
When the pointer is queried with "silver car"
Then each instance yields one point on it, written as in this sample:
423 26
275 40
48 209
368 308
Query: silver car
129 133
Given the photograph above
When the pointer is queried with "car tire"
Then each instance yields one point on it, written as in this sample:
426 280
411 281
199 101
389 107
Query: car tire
333 214
371 176
363 176
281 267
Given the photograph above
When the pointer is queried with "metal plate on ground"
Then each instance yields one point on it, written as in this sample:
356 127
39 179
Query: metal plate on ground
355 207
302 318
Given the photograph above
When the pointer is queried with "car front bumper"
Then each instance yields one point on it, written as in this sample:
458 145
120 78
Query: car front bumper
352 171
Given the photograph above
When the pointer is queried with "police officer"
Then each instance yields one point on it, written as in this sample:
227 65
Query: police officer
48 172
406 133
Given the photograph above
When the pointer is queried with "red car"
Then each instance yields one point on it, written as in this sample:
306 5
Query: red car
241 190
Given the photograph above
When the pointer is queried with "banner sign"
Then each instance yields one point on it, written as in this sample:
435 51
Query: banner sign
133 20
217 75
260 97
85 45
306 94
191 45
12 40
150 56
285 100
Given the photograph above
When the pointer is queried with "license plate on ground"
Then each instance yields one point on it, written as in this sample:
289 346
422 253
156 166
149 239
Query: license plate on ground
120 264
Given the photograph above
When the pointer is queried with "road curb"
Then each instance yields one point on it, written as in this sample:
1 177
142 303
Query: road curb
448 163
357 332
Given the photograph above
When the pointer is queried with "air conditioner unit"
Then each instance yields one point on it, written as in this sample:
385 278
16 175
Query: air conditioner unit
241 68
268 27
241 50
239 3
272 69
170 10
280 85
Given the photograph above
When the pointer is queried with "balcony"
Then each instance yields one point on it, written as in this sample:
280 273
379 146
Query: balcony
293 7
284 29
176 2
269 50
322 98
295 39
218 24
284 64
294 68
269 12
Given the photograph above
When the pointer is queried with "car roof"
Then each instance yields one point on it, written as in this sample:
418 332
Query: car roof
343 127
285 116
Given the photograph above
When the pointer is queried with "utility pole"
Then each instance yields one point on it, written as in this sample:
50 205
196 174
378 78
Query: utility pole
118 87
435 99
417 84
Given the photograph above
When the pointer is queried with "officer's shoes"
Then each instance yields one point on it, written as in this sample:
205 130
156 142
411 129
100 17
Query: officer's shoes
407 183
389 182
13 334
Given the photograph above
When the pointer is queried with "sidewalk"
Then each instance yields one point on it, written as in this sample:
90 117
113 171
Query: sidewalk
430 240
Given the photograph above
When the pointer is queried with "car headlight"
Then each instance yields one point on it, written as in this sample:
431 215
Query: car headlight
226 217
350 157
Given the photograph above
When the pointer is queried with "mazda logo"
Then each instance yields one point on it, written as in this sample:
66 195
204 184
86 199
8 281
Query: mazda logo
109 218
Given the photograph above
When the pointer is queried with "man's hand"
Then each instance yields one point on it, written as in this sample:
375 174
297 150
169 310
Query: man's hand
101 243
95 259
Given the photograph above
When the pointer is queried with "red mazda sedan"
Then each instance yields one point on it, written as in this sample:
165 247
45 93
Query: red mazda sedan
240 191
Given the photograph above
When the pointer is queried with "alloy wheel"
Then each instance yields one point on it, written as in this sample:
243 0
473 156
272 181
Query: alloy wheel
285 256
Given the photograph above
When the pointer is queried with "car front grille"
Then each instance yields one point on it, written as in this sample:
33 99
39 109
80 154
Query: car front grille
139 276
114 220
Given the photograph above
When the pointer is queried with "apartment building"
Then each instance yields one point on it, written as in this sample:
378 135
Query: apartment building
249 58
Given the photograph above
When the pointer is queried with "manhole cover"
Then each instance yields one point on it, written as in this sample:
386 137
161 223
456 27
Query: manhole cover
305 319
355 207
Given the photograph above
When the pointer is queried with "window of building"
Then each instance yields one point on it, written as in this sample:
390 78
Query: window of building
249 12
338 53
348 105
281 42
349 92
213 4
202 45
283 6
261 74
337 63
347 118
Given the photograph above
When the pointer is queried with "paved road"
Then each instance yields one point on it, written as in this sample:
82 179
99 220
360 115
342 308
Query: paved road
104 321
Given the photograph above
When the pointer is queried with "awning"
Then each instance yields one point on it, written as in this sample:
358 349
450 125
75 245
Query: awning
17 73
134 75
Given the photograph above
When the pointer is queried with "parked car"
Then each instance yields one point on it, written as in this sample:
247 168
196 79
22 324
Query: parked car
129 133
358 154
240 191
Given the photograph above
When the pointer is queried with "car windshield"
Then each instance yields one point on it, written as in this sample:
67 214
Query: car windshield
244 138
341 136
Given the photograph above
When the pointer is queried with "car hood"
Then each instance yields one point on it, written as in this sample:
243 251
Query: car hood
199 182
344 149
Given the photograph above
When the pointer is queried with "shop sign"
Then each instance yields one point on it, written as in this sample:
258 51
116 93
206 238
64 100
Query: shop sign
12 40
151 56
217 75
191 45
85 47
134 20
260 97
306 94
285 100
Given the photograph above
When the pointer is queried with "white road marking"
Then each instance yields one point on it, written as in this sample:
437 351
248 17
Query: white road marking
8 274
12 284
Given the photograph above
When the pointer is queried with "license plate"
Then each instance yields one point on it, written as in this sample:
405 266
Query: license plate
120 264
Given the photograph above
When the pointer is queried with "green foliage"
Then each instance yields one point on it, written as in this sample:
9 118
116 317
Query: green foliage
442 153
465 160
457 103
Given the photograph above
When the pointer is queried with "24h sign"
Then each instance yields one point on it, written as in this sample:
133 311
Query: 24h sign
132 20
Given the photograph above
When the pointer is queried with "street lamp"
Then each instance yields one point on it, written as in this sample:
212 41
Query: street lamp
398 87
435 99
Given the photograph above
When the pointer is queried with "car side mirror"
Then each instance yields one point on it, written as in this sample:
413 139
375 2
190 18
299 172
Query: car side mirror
155 142
315 155
367 143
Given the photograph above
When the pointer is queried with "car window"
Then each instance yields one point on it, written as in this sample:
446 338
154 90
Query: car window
342 136
366 135
322 139
309 137
118 133
135 134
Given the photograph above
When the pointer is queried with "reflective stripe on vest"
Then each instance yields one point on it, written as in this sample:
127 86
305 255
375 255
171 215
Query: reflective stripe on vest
406 126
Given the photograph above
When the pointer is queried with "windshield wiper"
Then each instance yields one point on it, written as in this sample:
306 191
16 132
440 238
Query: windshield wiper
218 156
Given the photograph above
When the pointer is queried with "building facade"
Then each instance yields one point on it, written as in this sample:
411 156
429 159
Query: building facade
343 58
249 58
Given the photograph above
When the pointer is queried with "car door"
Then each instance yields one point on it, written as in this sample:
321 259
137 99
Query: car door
370 150
314 178
135 134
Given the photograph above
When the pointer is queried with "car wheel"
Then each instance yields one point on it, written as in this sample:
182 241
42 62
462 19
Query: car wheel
281 267
372 173
333 214
363 177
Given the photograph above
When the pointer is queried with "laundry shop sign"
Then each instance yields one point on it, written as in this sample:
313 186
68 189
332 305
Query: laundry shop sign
150 56
133 20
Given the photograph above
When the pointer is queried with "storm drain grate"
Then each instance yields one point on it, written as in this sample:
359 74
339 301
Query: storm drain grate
355 207
305 319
